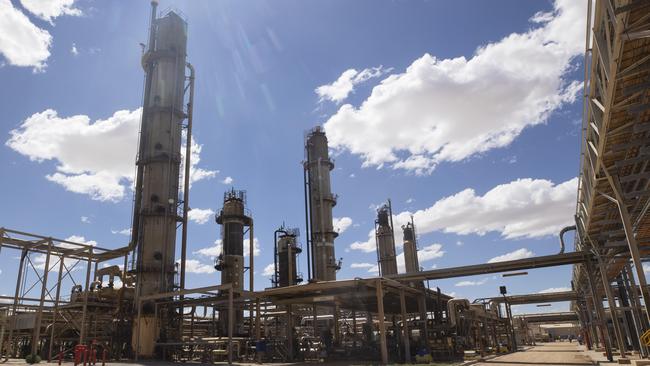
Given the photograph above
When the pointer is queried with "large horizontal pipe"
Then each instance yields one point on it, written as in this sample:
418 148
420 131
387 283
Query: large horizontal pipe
505 266
537 298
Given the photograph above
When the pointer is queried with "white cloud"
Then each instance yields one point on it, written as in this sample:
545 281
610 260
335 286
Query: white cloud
268 270
211 251
458 108
196 173
555 289
126 231
106 168
256 247
525 208
338 90
459 243
352 175
85 219
215 250
471 283
514 255
74 50
410 200
227 180
50 9
425 254
21 42
370 267
199 215
194 266
341 224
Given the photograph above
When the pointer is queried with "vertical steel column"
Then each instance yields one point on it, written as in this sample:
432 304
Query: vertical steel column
186 183
257 319
36 335
612 306
405 328
231 314
635 304
82 333
251 270
382 326
631 239
600 315
21 266
290 333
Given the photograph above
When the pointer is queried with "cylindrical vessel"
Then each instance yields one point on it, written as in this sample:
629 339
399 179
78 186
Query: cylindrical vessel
158 162
411 262
385 242
288 250
161 141
321 202
230 262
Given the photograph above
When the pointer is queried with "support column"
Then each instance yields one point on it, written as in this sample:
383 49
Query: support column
257 319
36 335
382 326
630 286
82 333
600 314
231 314
290 333
631 239
56 305
612 307
14 308
405 328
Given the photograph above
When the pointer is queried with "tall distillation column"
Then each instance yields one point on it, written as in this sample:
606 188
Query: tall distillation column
157 181
233 220
385 241
321 201
287 249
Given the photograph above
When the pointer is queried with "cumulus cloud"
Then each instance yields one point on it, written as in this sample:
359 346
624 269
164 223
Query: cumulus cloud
268 270
50 9
471 283
227 180
555 289
370 267
211 251
199 215
339 90
86 219
74 50
341 224
525 208
194 266
458 108
126 231
514 255
21 42
106 167
215 249
425 254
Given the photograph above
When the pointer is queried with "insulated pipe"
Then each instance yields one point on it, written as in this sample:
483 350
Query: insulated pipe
135 226
562 232
275 255
186 184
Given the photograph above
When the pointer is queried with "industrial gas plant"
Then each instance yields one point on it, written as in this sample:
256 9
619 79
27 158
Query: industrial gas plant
395 317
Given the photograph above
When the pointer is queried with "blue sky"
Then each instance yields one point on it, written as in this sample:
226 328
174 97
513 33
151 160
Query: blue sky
465 113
